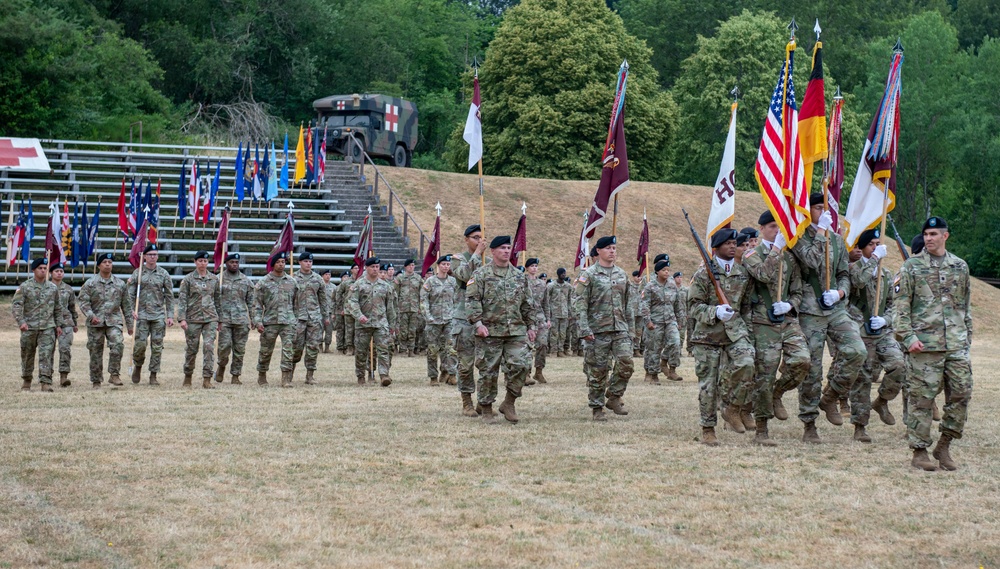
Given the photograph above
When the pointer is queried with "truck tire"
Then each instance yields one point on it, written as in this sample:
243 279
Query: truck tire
355 154
401 157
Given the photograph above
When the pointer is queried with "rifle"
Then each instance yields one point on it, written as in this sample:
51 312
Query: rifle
899 240
709 268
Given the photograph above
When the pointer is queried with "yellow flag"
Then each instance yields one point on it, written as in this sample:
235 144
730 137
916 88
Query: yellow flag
300 158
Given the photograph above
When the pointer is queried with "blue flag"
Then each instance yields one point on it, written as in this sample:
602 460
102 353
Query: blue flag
272 179
92 231
240 182
30 219
215 191
74 244
182 208
284 167
29 223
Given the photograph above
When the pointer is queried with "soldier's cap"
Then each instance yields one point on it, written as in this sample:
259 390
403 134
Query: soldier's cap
593 251
56 266
917 245
150 247
765 218
372 261
660 266
345 274
606 241
444 259
232 257
384 266
741 238
934 223
723 235
542 276
661 257
531 261
499 241
560 272
867 237
201 255
816 198
407 263
305 256
326 272
677 274
521 269
279 256
105 257
472 229
37 263
749 232
636 273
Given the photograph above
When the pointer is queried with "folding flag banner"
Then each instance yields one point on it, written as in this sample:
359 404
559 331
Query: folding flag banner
210 199
272 179
182 208
92 232
834 175
812 118
365 245
238 172
133 209
76 238
194 192
473 133
434 248
263 175
310 157
520 243
66 224
283 183
642 253
53 237
257 191
285 241
321 144
154 215
28 222
614 159
300 159
135 254
724 195
222 241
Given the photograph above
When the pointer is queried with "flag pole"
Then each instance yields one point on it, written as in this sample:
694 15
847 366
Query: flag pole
135 309
482 207
614 218
792 27
897 49
826 179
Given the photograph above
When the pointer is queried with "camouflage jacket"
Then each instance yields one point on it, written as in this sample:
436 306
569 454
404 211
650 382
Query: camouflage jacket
408 292
376 300
761 263
702 302
343 291
810 252
437 299
330 289
274 300
602 303
106 300
199 299
634 294
37 305
558 301
660 303
67 301
863 289
499 298
237 299
311 303
156 299
462 266
538 287
682 294
931 303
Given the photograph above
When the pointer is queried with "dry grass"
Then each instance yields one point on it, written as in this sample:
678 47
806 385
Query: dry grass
341 476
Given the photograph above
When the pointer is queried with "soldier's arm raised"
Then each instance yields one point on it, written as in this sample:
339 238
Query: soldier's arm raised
860 272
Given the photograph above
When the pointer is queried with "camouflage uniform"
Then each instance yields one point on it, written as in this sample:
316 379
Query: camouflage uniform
603 310
274 307
558 306
437 303
659 304
464 333
573 343
198 304
820 326
37 305
235 306
375 300
68 321
407 289
343 291
774 340
499 299
156 304
931 304
712 340
105 300
882 348
330 290
634 294
682 319
540 348
312 308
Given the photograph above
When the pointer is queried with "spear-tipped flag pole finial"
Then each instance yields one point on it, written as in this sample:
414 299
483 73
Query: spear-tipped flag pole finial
736 92
792 28
838 96
898 48
438 208
291 206
524 208
817 29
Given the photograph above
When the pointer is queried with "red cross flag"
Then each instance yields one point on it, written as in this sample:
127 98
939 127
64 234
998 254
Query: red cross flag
23 155
391 118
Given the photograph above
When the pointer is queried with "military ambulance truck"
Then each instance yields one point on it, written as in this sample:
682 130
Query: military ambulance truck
385 126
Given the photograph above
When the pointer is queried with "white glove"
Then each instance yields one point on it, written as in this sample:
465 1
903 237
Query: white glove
880 252
876 322
781 308
825 221
779 241
724 312
831 297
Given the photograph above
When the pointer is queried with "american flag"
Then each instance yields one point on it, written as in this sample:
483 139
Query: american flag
779 160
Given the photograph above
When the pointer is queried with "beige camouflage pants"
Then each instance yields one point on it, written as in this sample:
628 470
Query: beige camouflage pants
364 338
931 373
771 344
96 337
607 347
511 351
541 347
842 333
233 338
338 326
328 332
42 343
348 333
663 343
557 335
308 338
408 330
65 343
883 353
464 342
267 341
440 348
203 332
709 369
152 330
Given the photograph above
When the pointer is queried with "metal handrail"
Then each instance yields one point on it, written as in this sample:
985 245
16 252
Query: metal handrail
407 216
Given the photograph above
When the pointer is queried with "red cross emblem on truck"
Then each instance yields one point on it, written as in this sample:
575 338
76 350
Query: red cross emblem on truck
391 118
341 105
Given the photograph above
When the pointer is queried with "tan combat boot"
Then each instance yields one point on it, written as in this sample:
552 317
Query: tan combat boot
220 373
809 434
731 415
46 387
409 353
861 435
450 379
115 380
527 380
761 437
780 413
26 385
828 403
468 409
361 380
922 461
187 380
539 376
708 437
152 379
746 416
845 407
235 380
206 382
672 374
487 413
507 409
261 378
941 452
935 412
350 351
651 378
881 407
64 379
435 380
286 378
136 373
616 405
665 368
600 415
386 380
310 377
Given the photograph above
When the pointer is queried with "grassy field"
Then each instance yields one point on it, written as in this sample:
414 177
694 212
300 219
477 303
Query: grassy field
342 476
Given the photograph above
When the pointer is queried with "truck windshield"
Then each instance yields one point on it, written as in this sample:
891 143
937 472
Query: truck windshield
347 120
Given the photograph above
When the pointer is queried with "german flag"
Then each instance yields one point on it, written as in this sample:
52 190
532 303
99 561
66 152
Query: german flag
812 118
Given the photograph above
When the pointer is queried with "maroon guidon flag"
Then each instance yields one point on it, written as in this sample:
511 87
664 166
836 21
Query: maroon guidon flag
285 242
614 161
435 245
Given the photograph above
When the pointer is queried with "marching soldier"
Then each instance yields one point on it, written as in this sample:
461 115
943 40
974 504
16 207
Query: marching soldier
156 304
604 315
373 306
67 322
682 295
312 310
558 305
346 346
659 305
38 313
721 333
464 333
823 318
933 321
235 309
104 304
274 315
537 286
437 302
198 306
776 331
635 287
501 310
407 287
330 290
